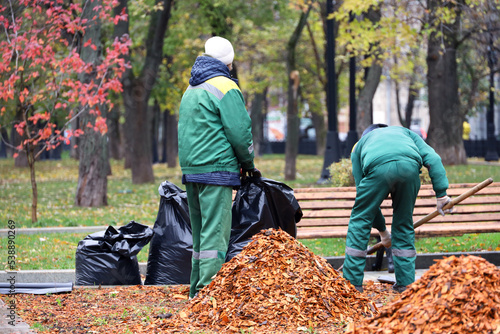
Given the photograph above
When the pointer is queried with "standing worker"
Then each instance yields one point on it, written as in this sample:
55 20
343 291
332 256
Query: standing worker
215 148
387 160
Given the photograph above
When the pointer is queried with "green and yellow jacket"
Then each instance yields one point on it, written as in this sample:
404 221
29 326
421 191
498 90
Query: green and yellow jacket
214 127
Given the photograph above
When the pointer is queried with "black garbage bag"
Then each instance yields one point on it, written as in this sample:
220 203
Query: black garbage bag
110 257
260 204
170 252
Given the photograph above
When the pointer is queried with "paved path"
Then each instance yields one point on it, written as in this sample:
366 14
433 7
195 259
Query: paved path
10 323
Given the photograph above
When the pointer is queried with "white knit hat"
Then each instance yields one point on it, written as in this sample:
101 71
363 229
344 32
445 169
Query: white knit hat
220 48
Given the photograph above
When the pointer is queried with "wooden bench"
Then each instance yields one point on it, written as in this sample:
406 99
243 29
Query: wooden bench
327 211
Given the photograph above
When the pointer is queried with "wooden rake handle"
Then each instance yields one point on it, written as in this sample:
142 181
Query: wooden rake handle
435 213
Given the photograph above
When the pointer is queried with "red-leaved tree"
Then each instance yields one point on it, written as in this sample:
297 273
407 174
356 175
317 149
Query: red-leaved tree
44 82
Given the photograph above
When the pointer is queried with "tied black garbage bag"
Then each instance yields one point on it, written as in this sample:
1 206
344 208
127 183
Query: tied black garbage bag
171 248
260 204
110 257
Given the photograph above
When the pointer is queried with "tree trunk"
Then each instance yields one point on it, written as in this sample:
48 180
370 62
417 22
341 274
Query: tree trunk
365 98
257 112
128 103
3 142
364 114
292 126
171 139
317 116
446 117
74 140
318 119
412 96
398 105
93 168
115 142
21 160
293 121
121 29
155 124
164 135
139 133
30 154
136 95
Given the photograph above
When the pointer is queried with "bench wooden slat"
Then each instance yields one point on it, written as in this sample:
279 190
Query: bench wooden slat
425 190
457 219
460 209
422 187
423 193
464 218
418 212
423 202
434 230
458 191
319 205
351 195
473 200
426 230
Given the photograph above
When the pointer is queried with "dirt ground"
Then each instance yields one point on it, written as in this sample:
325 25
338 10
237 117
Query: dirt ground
143 309
276 285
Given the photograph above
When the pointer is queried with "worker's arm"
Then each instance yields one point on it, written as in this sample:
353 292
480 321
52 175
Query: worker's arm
357 171
432 161
237 127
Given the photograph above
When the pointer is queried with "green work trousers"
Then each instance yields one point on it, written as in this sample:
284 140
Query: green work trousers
400 179
210 215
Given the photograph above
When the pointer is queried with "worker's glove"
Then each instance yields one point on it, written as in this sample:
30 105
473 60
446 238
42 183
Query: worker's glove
385 238
441 202
254 172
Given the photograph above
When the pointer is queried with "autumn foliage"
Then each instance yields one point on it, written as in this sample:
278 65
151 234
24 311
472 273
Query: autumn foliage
275 285
40 67
456 295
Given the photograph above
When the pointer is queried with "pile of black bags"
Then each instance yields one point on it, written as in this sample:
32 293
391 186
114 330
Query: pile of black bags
109 257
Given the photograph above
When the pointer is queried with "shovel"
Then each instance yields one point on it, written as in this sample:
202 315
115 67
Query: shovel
435 213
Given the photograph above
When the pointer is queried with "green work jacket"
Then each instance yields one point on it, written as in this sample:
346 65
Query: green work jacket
395 143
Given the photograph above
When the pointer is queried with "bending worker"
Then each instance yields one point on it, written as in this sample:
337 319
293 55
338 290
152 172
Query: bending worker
215 143
387 160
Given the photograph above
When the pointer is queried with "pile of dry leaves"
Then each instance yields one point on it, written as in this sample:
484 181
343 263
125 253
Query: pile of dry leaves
275 284
457 295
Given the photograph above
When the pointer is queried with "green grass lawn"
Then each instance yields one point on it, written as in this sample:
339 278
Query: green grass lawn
57 182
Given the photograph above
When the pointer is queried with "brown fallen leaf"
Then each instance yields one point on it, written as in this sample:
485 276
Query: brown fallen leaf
178 296
456 295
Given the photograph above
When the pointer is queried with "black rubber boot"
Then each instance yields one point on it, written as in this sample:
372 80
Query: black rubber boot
359 288
390 263
399 288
